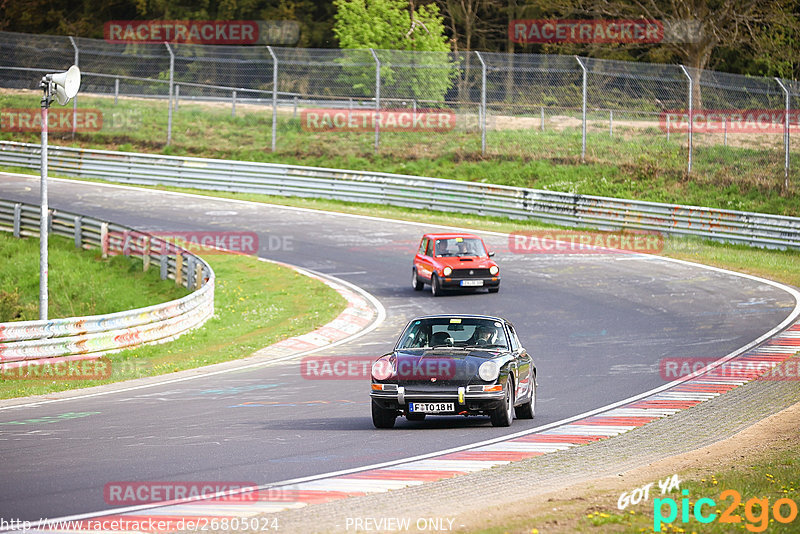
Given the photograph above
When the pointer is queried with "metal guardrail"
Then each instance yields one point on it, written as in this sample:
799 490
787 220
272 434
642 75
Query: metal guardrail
755 229
74 338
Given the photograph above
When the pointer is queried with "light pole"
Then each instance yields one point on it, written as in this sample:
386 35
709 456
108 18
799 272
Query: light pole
62 87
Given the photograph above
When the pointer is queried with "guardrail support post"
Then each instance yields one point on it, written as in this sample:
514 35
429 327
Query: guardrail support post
377 98
78 232
104 239
190 272
171 82
164 266
583 111
691 117
274 95
785 136
146 254
483 103
178 268
17 219
75 98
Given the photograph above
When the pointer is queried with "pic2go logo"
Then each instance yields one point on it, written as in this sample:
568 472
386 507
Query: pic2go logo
756 511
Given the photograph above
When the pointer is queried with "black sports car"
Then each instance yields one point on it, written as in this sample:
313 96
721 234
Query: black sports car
454 365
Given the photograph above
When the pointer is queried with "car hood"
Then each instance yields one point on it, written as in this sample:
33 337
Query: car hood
471 262
443 364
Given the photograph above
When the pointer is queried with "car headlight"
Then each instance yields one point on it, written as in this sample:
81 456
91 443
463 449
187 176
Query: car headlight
494 269
489 371
382 369
447 271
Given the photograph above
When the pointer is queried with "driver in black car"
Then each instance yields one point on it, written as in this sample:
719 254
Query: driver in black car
483 335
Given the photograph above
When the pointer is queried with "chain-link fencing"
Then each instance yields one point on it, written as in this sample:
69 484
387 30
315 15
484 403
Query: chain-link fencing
715 127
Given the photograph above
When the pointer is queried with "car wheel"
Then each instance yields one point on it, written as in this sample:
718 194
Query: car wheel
494 289
527 410
415 282
436 286
383 418
415 416
504 414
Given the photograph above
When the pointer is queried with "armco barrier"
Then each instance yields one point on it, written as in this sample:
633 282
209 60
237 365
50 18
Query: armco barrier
756 229
78 338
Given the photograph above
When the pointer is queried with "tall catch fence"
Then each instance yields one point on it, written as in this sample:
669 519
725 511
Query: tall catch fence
468 105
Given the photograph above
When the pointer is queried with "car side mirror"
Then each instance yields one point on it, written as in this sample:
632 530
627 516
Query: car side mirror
491 254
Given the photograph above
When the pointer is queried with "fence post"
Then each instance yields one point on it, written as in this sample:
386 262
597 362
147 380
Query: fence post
116 90
164 264
377 98
171 81
691 117
611 123
104 239
583 111
146 254
294 108
542 121
176 98
483 102
75 98
233 104
785 136
274 95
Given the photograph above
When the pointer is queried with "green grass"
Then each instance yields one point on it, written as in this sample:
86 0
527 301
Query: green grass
636 163
256 304
80 282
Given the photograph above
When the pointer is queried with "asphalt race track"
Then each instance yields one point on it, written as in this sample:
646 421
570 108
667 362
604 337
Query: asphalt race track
597 326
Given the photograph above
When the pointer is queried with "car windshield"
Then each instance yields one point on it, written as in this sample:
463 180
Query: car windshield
460 246
464 332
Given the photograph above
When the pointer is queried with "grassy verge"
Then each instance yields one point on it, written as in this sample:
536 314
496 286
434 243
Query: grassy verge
80 282
637 162
759 481
256 304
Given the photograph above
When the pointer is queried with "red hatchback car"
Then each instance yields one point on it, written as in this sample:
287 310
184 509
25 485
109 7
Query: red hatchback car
455 260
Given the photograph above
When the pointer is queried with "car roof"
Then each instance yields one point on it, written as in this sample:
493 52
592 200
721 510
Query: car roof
450 235
459 316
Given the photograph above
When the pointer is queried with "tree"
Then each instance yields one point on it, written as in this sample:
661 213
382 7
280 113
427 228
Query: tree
712 24
395 27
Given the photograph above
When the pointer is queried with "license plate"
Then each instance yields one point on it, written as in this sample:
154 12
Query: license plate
431 407
472 283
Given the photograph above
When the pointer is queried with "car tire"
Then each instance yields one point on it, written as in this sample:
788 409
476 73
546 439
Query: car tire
415 281
383 418
415 416
527 410
436 285
494 289
504 414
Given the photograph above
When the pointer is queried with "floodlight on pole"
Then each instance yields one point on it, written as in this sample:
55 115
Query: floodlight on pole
61 86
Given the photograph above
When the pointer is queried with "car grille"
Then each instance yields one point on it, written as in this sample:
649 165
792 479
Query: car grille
471 273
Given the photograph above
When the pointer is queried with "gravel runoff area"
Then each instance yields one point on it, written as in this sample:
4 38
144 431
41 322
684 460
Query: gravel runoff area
482 499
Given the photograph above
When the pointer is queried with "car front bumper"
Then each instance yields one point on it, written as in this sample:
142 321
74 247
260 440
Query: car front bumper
456 283
465 401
